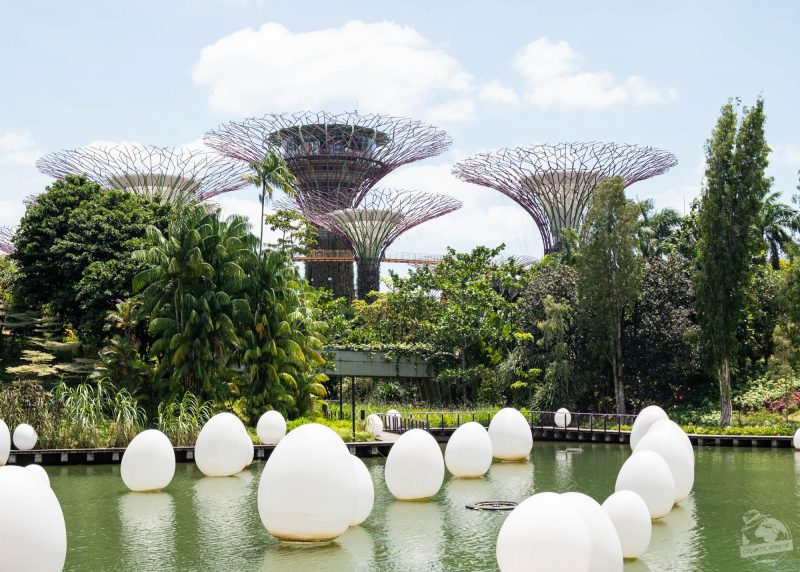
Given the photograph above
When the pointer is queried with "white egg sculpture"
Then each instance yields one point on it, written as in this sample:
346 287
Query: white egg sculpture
393 419
374 425
33 537
148 463
365 492
644 420
223 446
563 418
631 518
511 435
669 425
647 474
795 443
271 428
38 473
469 451
5 443
308 490
673 450
544 532
25 437
606 555
414 468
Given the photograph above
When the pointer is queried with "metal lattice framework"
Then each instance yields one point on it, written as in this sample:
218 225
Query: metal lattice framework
553 183
6 246
175 174
337 158
381 217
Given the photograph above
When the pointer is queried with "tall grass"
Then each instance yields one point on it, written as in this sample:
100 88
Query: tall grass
181 419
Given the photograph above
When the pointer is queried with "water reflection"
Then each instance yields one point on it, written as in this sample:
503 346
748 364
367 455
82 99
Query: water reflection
511 481
676 537
148 530
563 470
358 542
637 565
414 536
329 556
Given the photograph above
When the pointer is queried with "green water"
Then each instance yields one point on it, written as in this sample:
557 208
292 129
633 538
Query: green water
202 523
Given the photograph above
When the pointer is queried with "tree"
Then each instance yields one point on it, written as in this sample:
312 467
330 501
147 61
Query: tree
73 249
297 234
776 222
556 390
656 229
271 173
728 237
608 275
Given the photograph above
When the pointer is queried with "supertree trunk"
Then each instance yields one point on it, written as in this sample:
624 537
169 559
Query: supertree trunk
337 276
369 278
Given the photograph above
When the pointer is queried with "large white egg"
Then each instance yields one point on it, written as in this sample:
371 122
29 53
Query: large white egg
148 463
5 443
308 490
544 532
669 425
374 425
271 428
795 442
647 474
673 450
644 420
365 494
511 435
563 418
469 451
33 537
393 419
37 472
25 437
631 518
223 446
606 553
415 467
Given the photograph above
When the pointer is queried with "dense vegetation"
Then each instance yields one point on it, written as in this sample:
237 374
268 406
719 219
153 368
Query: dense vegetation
120 311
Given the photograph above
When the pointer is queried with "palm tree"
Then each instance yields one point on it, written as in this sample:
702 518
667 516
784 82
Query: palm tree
777 221
655 229
271 173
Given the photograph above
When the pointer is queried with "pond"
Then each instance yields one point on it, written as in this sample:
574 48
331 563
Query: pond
202 523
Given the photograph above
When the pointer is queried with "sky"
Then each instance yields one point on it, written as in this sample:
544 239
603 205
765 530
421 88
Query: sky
492 74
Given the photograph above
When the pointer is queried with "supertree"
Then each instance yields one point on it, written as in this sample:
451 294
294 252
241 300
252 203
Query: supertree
377 221
6 246
553 183
179 175
336 158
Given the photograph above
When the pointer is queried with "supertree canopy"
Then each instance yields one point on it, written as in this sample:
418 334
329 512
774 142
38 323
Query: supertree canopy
177 174
381 217
336 158
6 246
553 183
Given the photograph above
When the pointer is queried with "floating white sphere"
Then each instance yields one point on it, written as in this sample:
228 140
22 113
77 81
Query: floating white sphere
563 418
469 451
33 537
223 446
5 443
606 553
393 419
271 428
644 420
673 450
647 474
365 492
631 518
38 473
415 467
25 437
148 463
308 490
795 442
511 435
544 532
374 425
669 425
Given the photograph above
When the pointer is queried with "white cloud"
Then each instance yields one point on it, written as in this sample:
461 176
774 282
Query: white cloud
379 66
18 149
11 212
786 155
453 111
496 92
554 79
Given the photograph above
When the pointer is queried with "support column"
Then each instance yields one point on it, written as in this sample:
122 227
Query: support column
369 277
336 276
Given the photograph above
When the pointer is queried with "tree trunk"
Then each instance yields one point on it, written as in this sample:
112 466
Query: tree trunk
261 225
616 366
725 406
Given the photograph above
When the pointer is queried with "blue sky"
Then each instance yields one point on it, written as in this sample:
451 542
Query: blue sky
492 74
